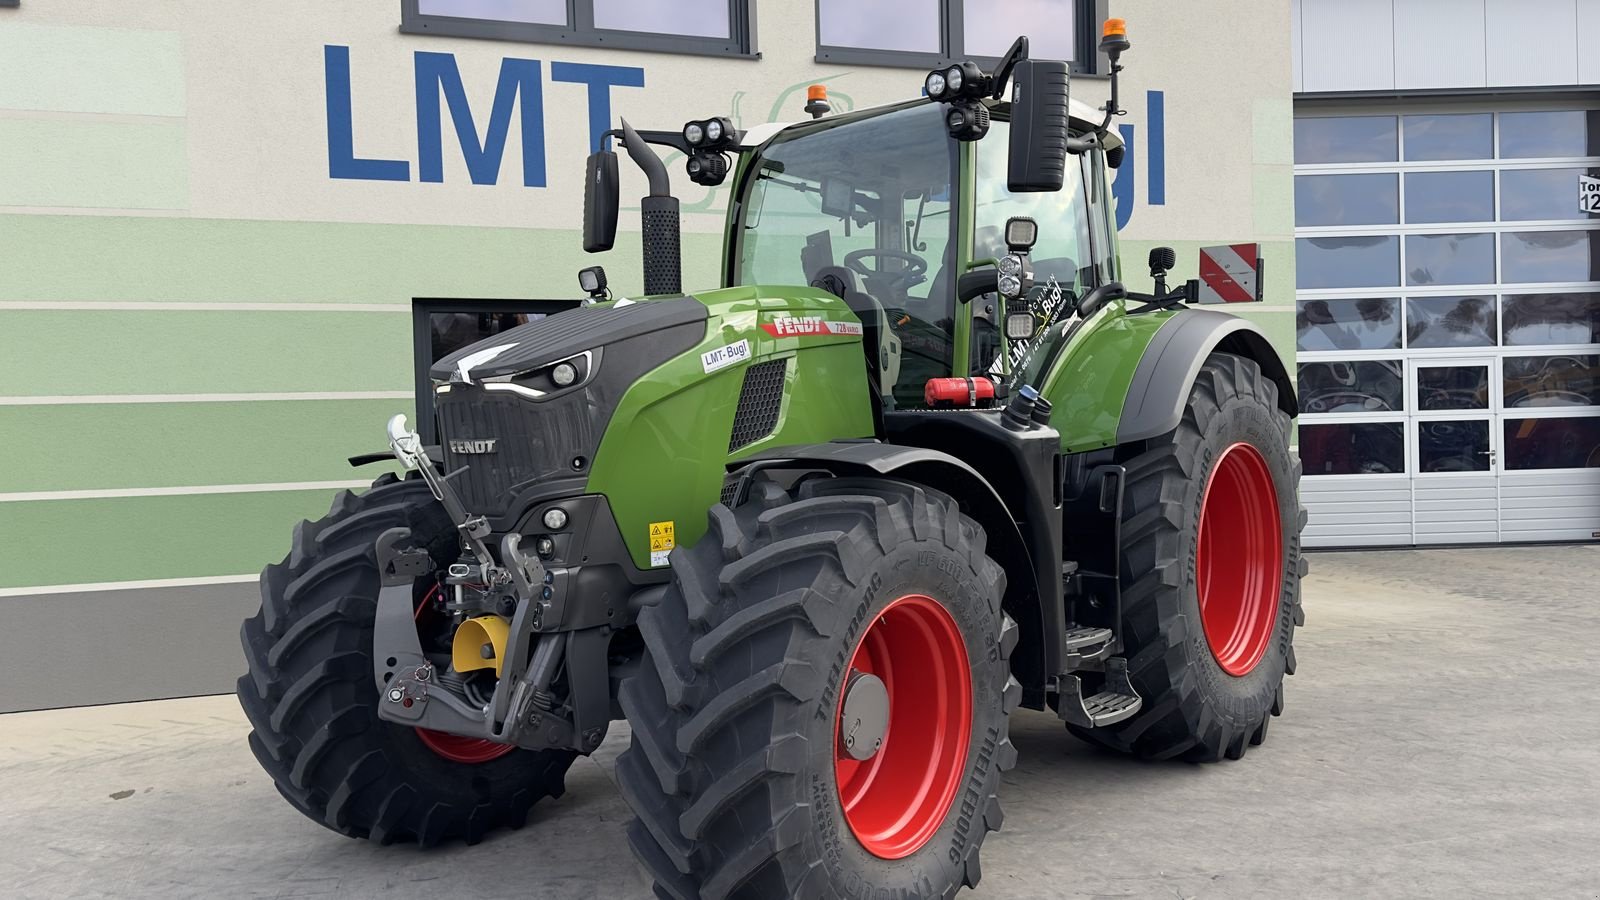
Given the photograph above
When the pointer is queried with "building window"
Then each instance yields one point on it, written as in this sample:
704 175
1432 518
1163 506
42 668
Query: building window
441 327
925 33
706 27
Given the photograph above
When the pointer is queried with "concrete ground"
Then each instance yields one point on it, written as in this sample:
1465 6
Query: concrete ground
1442 739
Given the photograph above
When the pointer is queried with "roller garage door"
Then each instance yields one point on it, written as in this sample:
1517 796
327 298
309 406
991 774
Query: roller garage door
1448 319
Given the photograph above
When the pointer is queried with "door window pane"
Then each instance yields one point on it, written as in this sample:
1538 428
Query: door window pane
1538 381
1449 137
1527 194
910 25
1533 319
1372 324
1345 139
1450 259
1367 386
1549 443
539 12
1450 197
1347 262
1346 200
1364 448
1450 322
1453 446
1533 256
989 27
1452 387
698 18
1568 132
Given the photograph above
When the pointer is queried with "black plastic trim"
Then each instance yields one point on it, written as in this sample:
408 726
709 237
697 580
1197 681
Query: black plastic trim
1160 385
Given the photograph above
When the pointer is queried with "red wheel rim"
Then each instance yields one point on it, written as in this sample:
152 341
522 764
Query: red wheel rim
896 800
1239 559
469 750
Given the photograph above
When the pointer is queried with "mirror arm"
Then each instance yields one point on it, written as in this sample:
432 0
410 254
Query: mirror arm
1002 72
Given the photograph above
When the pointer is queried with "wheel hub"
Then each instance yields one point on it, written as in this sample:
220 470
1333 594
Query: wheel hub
865 717
903 724
1239 559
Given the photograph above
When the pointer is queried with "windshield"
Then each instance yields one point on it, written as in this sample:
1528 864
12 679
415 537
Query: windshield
864 205
1064 256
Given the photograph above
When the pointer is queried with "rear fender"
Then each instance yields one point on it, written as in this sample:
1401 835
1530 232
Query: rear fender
1160 386
1126 378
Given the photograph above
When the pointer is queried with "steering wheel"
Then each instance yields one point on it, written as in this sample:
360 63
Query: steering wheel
916 267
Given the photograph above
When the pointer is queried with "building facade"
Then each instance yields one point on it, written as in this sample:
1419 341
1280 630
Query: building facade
1448 266
233 235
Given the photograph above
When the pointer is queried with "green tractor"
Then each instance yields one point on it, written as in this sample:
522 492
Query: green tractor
815 532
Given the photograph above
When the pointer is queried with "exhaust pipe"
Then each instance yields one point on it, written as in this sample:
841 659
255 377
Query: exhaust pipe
663 255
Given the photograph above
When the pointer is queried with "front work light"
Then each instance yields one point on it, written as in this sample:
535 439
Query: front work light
694 133
707 168
967 120
935 85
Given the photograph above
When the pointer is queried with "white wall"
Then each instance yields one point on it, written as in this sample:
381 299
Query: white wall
1402 45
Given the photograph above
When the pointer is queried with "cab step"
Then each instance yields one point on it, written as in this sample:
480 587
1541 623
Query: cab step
1085 644
1118 701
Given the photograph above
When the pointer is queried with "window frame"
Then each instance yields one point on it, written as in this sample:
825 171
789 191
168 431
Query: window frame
422 343
581 31
952 27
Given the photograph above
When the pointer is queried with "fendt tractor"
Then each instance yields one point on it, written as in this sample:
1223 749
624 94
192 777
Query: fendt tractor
815 532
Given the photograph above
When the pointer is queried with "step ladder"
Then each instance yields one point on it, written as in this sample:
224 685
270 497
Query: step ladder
1116 702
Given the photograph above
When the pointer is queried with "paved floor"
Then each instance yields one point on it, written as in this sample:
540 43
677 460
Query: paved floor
1442 739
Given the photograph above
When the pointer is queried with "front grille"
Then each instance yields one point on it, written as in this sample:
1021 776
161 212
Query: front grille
760 401
532 442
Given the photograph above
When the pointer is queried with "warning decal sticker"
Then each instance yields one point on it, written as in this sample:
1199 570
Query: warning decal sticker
662 540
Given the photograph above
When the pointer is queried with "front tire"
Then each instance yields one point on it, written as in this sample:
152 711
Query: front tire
738 772
310 696
1211 571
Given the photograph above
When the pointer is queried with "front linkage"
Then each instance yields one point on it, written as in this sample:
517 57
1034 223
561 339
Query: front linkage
521 710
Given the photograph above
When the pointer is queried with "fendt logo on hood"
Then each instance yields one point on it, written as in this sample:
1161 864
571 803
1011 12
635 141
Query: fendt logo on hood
482 446
801 326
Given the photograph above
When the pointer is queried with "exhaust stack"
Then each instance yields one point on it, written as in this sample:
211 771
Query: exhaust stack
663 255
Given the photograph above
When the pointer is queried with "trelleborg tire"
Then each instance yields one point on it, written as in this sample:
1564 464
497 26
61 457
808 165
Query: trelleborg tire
310 696
1211 570
737 771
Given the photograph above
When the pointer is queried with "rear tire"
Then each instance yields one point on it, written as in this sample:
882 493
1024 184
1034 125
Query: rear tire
312 702
1211 674
734 771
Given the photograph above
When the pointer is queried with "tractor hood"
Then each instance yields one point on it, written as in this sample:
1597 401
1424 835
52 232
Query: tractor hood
547 340
509 425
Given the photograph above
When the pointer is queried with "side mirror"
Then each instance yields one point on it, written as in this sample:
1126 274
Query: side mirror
1038 143
601 192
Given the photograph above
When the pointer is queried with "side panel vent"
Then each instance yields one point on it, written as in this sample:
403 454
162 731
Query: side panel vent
760 401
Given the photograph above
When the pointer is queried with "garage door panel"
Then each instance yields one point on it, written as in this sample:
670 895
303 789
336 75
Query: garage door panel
1324 518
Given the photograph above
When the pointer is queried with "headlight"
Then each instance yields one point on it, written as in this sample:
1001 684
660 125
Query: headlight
1010 285
935 84
714 130
555 518
952 78
694 133
564 374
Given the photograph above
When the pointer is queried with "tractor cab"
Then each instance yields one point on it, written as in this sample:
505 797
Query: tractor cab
888 210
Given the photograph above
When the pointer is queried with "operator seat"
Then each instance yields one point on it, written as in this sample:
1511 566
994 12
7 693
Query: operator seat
878 340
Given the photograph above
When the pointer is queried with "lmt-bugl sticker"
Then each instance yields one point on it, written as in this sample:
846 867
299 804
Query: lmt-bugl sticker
661 543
